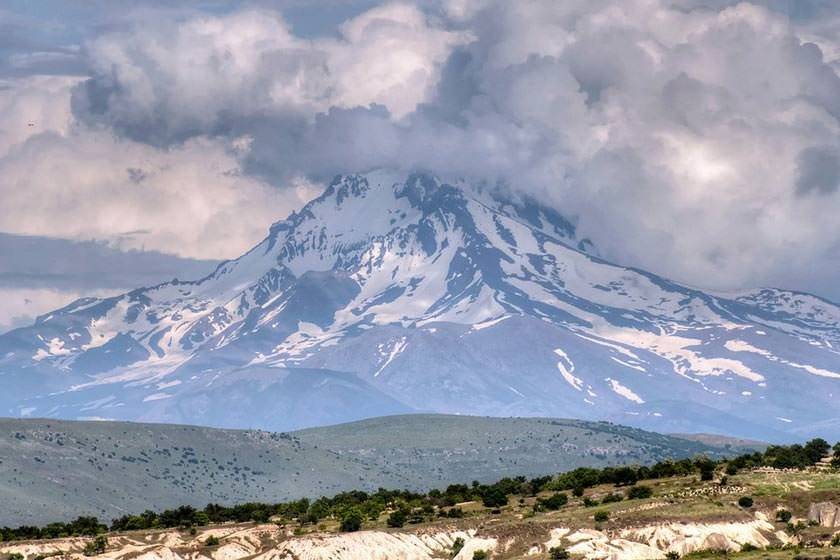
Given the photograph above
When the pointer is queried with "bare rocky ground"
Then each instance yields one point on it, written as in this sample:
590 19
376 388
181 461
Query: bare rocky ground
684 516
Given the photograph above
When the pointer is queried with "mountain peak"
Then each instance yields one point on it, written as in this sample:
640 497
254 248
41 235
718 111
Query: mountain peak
419 290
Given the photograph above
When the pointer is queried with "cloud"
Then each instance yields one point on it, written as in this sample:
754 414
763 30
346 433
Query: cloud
192 200
695 138
818 169
206 74
39 274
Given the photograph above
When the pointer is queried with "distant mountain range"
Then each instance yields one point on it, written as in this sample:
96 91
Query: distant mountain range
390 294
52 470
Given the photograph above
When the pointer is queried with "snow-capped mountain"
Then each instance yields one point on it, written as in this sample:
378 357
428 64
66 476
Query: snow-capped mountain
391 294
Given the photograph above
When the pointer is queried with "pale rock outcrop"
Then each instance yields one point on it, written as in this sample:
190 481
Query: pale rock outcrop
826 514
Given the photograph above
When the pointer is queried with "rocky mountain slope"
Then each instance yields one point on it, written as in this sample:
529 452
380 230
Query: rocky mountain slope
390 294
53 470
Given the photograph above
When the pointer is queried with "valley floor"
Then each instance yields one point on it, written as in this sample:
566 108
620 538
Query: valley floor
684 516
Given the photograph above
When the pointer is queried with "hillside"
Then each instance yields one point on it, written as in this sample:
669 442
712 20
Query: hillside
393 293
53 470
789 515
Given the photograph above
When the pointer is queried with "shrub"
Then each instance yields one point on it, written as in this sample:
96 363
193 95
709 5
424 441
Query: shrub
15 556
494 498
455 513
555 502
558 553
96 546
589 502
639 492
601 516
351 520
212 540
835 540
457 545
672 555
745 502
783 515
396 519
731 469
611 498
578 491
748 547
479 555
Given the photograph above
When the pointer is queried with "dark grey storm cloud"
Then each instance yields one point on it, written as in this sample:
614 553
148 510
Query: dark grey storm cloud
39 262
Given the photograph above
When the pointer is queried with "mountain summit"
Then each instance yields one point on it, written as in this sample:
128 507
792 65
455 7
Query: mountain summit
391 294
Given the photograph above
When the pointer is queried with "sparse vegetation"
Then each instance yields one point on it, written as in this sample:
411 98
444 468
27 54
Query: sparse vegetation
558 553
351 511
212 540
639 493
457 546
480 555
96 546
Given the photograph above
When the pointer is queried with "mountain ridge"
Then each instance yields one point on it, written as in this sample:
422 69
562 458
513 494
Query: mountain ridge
418 292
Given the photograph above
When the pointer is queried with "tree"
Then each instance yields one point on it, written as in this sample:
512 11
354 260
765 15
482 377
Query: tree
396 519
351 520
745 502
494 497
625 476
578 491
816 449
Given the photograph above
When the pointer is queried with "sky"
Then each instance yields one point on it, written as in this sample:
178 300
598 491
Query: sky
698 139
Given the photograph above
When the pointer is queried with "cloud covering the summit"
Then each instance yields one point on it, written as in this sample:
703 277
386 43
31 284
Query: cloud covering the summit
699 139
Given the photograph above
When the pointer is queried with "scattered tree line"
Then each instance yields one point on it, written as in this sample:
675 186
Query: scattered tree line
352 509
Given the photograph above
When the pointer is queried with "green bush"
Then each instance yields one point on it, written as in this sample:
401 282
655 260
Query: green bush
745 502
578 491
351 521
589 502
397 518
611 498
748 547
639 492
457 546
15 556
96 546
783 515
835 540
494 498
601 516
558 553
672 555
554 502
479 555
212 540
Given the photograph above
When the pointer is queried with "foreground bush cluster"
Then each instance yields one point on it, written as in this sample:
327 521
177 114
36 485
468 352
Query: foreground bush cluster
352 509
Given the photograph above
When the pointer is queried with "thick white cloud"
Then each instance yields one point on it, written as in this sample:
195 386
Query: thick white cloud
696 138
203 74
191 200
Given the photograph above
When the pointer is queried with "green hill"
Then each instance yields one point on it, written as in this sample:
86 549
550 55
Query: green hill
55 470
